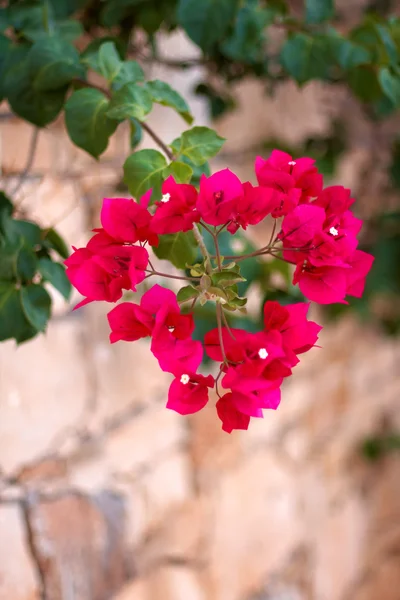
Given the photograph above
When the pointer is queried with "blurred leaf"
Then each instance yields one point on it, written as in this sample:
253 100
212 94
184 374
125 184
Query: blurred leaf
164 94
26 263
199 144
390 83
364 83
187 293
87 123
318 11
13 323
6 206
53 63
54 273
306 57
136 133
36 304
206 22
5 45
144 170
53 240
181 172
178 248
347 53
131 101
246 43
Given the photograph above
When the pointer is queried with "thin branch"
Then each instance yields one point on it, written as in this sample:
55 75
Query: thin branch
202 246
157 140
220 337
29 162
171 276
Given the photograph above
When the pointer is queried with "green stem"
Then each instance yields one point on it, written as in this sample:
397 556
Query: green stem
171 276
202 246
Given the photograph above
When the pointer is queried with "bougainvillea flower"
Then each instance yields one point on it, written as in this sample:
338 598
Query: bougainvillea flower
188 393
129 322
325 285
335 200
282 172
230 416
170 324
218 197
103 269
177 209
128 221
253 206
360 263
301 225
177 356
256 393
298 334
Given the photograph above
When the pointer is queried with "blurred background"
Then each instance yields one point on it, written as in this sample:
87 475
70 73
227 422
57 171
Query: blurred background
105 494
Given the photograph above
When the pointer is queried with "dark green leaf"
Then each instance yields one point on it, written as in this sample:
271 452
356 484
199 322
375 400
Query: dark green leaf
144 170
26 264
136 133
5 45
131 101
105 58
130 72
226 278
54 273
364 83
39 108
54 241
306 57
390 83
187 293
13 323
178 248
36 304
318 11
65 8
247 42
87 122
198 144
348 54
389 44
164 94
181 172
109 61
4 21
69 30
6 206
206 22
9 252
30 232
53 63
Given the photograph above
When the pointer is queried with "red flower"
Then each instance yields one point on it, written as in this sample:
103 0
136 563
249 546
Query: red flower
188 392
128 221
129 322
219 196
177 209
104 268
231 417
253 206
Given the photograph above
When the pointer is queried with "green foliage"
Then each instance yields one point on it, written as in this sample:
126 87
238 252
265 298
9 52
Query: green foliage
87 122
198 144
53 63
179 248
131 101
164 94
319 10
26 264
206 22
144 170
306 57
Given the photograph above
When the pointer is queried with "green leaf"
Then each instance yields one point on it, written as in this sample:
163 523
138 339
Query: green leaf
178 248
144 170
164 94
187 293
105 58
87 123
136 133
54 241
206 22
131 101
54 273
130 72
4 22
39 108
226 278
306 57
30 232
13 323
198 171
53 63
390 83
109 61
5 45
198 144
364 83
318 11
36 304
348 54
389 43
69 30
9 252
247 42
6 206
181 172
26 264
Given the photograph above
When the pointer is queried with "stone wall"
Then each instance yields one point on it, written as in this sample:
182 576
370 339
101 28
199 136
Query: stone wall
106 495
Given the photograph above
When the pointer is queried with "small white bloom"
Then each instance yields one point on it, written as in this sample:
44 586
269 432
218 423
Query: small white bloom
165 197
185 379
292 163
262 353
333 231
171 328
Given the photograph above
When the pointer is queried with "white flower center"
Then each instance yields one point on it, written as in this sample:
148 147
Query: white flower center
333 231
185 379
171 328
165 197
262 353
292 163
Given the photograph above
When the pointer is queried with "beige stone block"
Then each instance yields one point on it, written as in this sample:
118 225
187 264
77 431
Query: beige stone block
141 441
79 544
256 525
177 583
137 590
338 546
43 387
18 574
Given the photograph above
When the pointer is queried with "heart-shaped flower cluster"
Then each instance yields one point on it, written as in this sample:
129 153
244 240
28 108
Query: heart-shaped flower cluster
313 229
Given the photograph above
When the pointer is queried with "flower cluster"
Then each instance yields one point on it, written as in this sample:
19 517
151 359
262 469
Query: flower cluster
313 229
